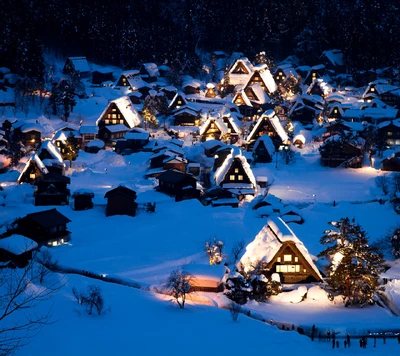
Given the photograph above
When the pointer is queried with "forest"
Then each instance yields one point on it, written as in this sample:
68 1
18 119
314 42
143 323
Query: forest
127 33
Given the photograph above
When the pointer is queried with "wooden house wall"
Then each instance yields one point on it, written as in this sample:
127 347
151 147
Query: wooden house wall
211 132
31 138
391 134
177 103
304 115
256 79
83 202
119 204
112 116
240 69
300 270
392 165
239 100
19 261
186 119
29 228
261 154
180 166
176 188
210 93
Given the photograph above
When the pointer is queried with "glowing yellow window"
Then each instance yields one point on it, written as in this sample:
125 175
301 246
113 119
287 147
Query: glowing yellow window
236 170
372 89
232 177
32 176
240 177
278 259
287 258
114 122
296 259
107 121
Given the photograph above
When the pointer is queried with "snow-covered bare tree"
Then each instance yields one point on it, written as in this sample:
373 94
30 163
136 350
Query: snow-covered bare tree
383 183
355 265
178 285
395 242
214 250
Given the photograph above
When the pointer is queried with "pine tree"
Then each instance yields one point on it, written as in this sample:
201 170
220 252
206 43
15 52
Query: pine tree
238 288
71 148
355 266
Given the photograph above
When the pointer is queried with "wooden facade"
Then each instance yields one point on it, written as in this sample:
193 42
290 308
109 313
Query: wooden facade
264 128
48 227
83 200
236 174
291 265
186 117
121 201
342 154
31 138
390 134
261 154
52 190
179 184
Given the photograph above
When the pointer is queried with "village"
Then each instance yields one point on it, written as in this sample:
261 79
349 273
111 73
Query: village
229 180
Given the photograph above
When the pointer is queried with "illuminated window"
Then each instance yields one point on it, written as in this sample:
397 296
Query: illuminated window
296 259
288 268
372 89
109 116
278 259
390 133
114 122
232 177
121 121
32 176
287 258
114 109
240 177
107 121
280 73
124 79
179 102
58 143
335 111
236 170
114 116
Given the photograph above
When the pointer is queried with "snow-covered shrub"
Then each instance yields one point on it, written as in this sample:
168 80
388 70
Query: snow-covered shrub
294 296
214 251
317 293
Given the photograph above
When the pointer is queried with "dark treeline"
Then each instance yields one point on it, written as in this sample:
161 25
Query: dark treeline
129 32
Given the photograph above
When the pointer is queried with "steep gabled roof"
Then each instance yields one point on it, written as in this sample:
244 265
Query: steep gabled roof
267 143
274 120
127 110
236 154
17 244
267 78
34 160
269 241
218 121
80 64
174 176
244 97
121 190
52 149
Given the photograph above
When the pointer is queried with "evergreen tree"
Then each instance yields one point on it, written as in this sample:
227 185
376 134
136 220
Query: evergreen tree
237 288
71 148
355 266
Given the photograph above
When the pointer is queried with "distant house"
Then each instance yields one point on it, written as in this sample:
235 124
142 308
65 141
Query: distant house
306 109
263 150
123 80
186 116
211 146
191 86
77 64
82 199
264 78
389 132
320 87
48 227
149 72
240 72
119 112
333 60
179 184
121 201
214 128
16 251
51 157
389 94
88 133
235 174
94 146
317 71
101 76
336 152
218 196
52 190
206 278
283 71
280 250
33 170
268 124
60 139
135 140
178 101
211 91
109 133
30 134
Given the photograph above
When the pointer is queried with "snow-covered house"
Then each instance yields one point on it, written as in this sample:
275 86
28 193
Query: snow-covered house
240 72
51 157
33 170
235 174
16 251
182 185
320 87
387 93
332 59
306 109
233 124
264 78
52 190
123 80
119 112
88 133
186 116
214 128
210 91
30 134
77 64
61 137
191 86
178 100
263 150
389 132
283 71
268 124
206 278
281 251
149 72
317 71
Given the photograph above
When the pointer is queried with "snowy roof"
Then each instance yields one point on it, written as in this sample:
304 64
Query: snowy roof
373 113
268 242
195 83
335 56
262 96
234 122
219 122
387 123
35 158
152 69
268 80
236 154
62 135
287 69
80 64
136 82
117 128
300 138
17 244
7 97
276 124
127 110
32 127
95 143
244 97
209 144
267 114
209 272
137 135
325 87
241 79
267 143
50 147
88 129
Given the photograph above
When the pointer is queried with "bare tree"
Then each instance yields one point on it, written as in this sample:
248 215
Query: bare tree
18 299
396 183
92 299
46 264
237 250
383 182
178 285
235 310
